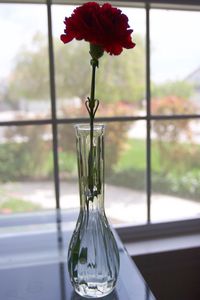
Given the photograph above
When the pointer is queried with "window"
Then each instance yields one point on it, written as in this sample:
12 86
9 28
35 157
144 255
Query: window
175 65
26 156
152 117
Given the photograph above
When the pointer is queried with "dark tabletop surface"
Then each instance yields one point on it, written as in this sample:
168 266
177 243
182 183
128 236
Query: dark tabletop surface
33 265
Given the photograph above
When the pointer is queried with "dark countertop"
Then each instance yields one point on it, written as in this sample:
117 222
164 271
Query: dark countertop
33 265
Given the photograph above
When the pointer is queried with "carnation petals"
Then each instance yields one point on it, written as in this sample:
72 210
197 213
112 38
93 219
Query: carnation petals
66 38
104 25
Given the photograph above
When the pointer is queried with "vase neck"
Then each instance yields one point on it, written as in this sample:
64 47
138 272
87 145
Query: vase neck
96 205
90 166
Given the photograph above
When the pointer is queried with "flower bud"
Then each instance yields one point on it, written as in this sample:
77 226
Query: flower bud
96 51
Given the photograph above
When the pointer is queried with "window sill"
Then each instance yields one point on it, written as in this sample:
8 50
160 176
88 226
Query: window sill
153 246
138 240
161 237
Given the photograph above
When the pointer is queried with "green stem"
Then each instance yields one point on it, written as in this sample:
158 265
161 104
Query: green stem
91 113
92 94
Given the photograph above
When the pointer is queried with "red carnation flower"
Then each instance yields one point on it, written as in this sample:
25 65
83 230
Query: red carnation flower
104 26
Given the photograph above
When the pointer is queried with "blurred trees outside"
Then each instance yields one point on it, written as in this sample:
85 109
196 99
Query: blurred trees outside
177 149
170 133
178 88
29 80
30 76
27 153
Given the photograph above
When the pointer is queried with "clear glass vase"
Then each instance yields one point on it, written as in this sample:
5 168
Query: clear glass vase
93 257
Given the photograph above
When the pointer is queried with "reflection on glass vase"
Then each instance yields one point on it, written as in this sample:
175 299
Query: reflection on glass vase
93 257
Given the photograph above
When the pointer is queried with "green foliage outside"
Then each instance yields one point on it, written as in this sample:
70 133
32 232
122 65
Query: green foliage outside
10 204
18 206
180 88
181 179
67 164
30 158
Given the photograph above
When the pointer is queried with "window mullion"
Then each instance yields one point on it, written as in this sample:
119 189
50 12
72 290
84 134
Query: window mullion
53 107
148 111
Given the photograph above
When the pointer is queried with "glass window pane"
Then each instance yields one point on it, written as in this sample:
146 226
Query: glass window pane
26 169
175 170
120 80
24 78
175 62
125 171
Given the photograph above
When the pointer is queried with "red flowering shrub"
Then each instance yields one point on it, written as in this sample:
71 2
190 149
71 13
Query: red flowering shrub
170 132
104 26
172 105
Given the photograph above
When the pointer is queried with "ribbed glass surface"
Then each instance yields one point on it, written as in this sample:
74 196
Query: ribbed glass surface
93 258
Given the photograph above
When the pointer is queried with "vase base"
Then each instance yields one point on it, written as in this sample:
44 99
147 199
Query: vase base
92 290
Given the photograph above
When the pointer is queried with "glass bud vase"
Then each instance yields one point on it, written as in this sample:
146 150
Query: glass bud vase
93 257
